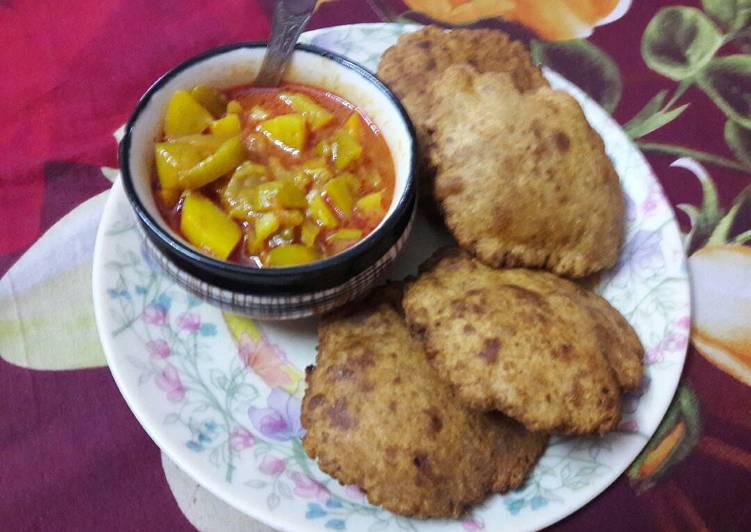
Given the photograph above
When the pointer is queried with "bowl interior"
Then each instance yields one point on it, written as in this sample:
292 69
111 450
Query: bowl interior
240 66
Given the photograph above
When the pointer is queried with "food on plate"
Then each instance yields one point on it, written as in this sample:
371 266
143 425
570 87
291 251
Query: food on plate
378 416
270 177
409 66
529 184
532 345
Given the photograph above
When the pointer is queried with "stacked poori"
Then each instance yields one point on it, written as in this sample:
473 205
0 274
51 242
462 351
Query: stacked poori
378 416
431 395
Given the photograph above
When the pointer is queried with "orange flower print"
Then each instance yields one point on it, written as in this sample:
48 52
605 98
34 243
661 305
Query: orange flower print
722 307
550 19
461 11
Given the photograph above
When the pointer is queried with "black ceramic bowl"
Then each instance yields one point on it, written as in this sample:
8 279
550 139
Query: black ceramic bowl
272 293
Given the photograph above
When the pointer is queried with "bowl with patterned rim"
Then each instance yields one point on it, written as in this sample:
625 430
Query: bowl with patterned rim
272 293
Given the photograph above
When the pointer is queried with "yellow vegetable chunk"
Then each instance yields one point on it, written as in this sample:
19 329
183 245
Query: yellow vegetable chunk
353 125
290 255
339 193
205 144
207 227
214 101
321 212
316 115
352 182
266 226
345 234
249 169
318 170
171 160
185 116
228 157
371 203
345 149
233 106
290 217
278 195
287 130
309 233
239 194
227 127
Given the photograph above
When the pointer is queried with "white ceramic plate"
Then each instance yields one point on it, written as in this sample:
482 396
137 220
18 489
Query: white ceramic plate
221 395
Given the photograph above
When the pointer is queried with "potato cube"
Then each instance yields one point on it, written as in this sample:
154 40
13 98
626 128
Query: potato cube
208 227
286 130
340 195
214 101
321 212
227 127
353 125
239 195
266 226
352 182
309 233
228 157
249 170
316 115
345 234
185 116
371 204
318 170
279 195
343 239
290 255
345 149
290 217
173 159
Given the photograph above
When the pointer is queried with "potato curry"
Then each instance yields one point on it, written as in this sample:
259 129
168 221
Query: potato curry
271 177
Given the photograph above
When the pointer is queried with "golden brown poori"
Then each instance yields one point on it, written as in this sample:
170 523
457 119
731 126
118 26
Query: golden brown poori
522 179
409 66
524 342
378 416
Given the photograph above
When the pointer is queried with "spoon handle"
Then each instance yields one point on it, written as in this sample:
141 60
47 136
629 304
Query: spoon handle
290 17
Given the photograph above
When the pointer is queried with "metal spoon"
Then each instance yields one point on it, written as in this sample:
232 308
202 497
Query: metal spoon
290 17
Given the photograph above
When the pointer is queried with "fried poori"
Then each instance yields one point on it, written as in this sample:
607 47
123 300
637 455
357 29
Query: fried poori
411 64
378 416
527 343
522 179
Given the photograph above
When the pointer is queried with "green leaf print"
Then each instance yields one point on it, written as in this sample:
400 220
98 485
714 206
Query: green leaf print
739 140
584 64
653 106
733 14
727 80
679 41
722 231
653 122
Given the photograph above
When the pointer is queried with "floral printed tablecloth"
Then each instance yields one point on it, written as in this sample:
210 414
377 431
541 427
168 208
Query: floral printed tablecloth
676 76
